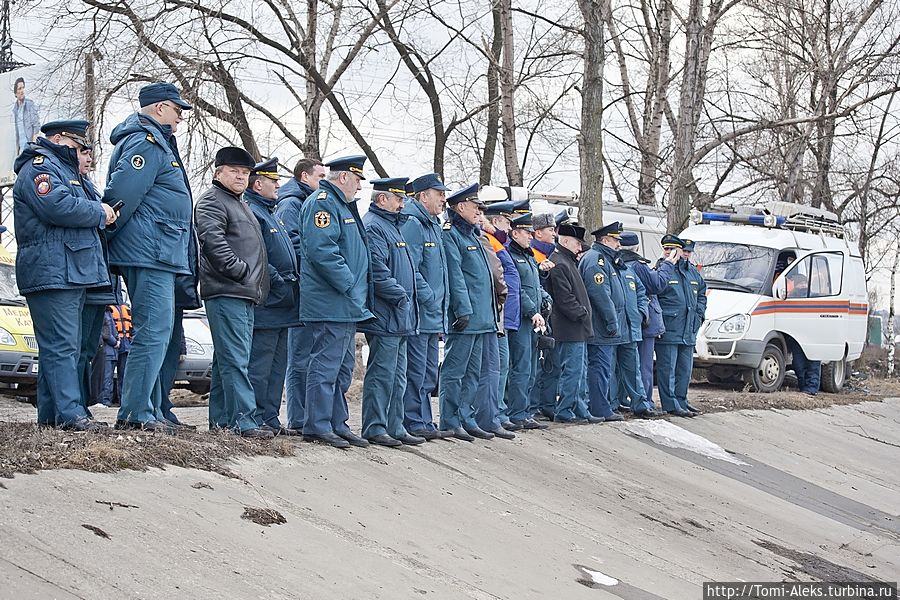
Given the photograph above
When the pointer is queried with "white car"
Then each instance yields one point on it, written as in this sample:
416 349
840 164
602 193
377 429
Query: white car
195 368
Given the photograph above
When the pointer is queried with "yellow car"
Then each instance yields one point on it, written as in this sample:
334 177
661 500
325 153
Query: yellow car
18 346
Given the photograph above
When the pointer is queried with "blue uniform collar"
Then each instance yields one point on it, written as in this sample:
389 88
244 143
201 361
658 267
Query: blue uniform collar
148 121
461 224
395 218
515 248
65 154
543 247
415 208
606 250
327 186
253 198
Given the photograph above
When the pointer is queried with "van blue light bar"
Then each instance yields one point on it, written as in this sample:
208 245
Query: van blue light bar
764 220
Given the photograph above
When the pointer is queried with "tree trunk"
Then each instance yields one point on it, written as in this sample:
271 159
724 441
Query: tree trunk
493 85
647 178
507 97
590 140
312 107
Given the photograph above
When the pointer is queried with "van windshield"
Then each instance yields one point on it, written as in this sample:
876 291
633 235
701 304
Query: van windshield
9 292
739 267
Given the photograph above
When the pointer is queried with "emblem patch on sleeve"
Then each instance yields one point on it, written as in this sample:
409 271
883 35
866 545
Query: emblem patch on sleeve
137 161
601 262
322 219
632 285
42 184
598 278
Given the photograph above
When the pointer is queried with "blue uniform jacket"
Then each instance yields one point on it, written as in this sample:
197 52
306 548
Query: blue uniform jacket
655 281
393 275
290 198
422 232
683 304
617 296
57 222
154 228
106 294
281 308
531 292
472 291
110 336
335 276
512 308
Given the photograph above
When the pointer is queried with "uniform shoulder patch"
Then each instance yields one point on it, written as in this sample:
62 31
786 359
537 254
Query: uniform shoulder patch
322 195
42 184
598 278
601 262
446 226
150 138
632 285
322 219
137 161
38 160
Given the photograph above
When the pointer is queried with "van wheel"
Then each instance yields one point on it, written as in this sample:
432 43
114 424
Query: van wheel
834 375
769 375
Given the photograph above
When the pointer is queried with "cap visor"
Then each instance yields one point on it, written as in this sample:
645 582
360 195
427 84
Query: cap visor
441 187
184 105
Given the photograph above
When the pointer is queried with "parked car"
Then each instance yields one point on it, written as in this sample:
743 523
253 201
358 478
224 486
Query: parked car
195 367
18 346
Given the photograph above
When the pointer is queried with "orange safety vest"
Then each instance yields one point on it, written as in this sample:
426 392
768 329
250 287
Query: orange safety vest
495 243
123 320
538 255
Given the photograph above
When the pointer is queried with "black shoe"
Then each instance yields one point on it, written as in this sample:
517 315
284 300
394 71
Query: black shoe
512 426
291 431
410 440
697 411
613 418
180 426
460 434
574 420
333 440
503 434
354 439
442 435
532 424
258 433
480 433
385 440
82 425
425 434
154 426
594 420
681 413
648 414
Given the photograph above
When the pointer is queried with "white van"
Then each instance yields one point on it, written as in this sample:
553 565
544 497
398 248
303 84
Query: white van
749 261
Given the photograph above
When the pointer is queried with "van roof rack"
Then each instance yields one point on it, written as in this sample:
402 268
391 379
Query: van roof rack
785 215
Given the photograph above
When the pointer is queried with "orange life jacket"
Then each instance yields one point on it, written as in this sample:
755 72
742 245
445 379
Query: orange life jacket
123 320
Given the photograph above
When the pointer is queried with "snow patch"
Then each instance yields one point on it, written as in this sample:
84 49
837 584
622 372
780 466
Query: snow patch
670 435
599 578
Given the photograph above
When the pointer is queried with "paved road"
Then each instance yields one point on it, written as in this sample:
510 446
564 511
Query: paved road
631 511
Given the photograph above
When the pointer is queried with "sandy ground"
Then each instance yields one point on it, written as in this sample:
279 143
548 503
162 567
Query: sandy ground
639 510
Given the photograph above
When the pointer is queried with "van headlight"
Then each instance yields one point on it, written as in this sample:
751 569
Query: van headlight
193 347
6 338
735 325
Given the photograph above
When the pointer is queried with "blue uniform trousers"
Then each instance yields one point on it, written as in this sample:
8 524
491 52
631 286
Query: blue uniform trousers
546 380
488 399
523 368
459 379
169 368
152 295
503 345
56 315
674 363
384 386
421 379
331 357
231 400
808 372
106 390
629 387
91 326
600 366
645 355
572 400
121 361
299 341
268 365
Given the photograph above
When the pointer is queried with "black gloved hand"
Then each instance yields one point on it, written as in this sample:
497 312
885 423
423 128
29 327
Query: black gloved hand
461 323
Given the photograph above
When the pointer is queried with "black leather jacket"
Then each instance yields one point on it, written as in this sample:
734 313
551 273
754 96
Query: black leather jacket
233 259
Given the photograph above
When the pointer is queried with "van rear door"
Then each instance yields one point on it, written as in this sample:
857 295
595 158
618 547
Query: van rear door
812 306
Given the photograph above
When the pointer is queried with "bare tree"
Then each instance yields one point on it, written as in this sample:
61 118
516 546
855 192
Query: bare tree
590 139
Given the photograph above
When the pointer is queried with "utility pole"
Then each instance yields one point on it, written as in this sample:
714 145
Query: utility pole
7 62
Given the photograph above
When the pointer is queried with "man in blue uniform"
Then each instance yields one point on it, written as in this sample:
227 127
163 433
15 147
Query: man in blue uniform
654 280
337 294
396 317
234 278
149 245
59 257
308 172
683 304
281 310
473 314
422 232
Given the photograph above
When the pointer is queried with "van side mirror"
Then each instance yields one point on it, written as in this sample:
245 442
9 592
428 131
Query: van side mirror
779 289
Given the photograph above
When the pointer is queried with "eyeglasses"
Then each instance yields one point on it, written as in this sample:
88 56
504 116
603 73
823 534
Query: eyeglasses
177 109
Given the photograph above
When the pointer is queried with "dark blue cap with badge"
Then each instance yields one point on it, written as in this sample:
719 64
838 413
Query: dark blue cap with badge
523 222
562 217
233 156
161 91
267 168
354 164
671 241
392 185
429 181
75 129
508 209
467 194
614 229
629 238
688 245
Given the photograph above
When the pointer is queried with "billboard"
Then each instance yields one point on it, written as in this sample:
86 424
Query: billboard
25 103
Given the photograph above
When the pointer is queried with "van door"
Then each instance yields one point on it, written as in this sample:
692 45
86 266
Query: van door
813 309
